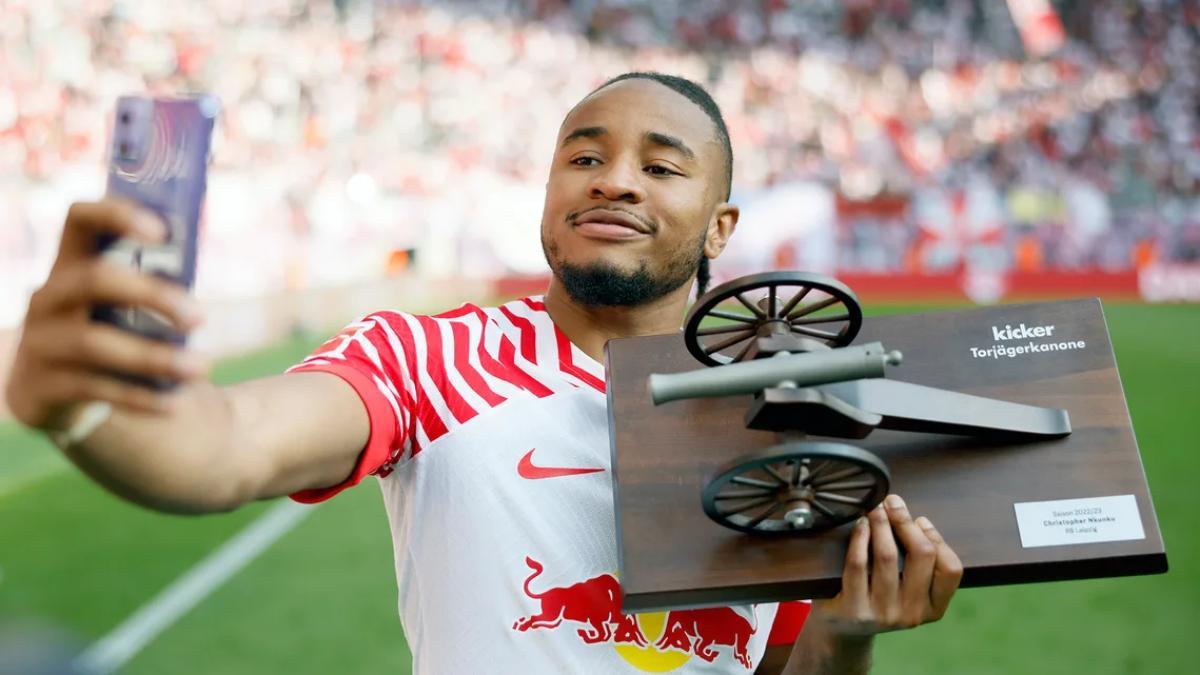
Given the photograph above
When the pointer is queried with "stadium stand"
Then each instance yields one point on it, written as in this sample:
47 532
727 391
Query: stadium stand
923 131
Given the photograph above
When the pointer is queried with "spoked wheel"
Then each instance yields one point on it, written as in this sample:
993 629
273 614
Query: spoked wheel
736 312
801 487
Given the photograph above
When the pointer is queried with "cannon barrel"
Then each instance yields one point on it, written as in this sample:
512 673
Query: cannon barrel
802 370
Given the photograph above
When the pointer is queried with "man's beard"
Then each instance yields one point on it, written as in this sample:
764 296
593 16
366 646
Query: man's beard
602 284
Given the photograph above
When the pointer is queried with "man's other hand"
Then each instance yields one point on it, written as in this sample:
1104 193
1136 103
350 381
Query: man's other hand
876 597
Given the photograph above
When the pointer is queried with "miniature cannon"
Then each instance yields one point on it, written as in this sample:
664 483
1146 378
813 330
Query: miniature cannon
790 348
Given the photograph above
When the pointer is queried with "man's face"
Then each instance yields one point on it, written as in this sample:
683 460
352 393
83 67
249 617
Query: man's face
634 186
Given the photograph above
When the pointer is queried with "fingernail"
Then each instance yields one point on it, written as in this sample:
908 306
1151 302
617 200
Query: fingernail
895 502
861 522
923 523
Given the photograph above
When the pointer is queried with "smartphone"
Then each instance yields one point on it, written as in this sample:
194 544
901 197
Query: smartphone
159 158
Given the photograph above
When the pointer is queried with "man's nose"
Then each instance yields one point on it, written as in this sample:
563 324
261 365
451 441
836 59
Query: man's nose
617 182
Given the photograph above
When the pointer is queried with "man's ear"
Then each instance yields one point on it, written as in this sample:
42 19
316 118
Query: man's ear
720 229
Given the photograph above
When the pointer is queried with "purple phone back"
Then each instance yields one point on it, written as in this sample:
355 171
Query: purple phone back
159 158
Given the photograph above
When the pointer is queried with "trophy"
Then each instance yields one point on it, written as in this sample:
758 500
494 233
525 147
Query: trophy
735 481
810 381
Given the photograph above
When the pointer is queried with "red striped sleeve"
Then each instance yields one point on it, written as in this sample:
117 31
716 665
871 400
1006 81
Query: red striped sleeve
431 422
391 368
435 366
460 336
789 620
361 355
382 417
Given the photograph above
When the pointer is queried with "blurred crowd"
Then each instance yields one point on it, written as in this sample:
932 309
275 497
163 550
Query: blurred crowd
355 129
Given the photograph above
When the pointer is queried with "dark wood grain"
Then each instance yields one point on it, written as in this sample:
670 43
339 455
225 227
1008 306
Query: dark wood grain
672 555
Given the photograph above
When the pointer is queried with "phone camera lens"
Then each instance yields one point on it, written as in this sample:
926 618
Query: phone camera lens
124 118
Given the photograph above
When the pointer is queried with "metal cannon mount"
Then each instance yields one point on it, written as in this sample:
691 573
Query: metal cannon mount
784 337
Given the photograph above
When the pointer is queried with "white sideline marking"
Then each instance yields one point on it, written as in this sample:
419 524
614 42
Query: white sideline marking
114 650
19 482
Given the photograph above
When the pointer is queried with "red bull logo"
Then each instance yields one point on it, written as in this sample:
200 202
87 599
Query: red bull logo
593 607
699 630
595 603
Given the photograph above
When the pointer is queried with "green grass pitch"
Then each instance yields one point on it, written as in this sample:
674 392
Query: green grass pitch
322 599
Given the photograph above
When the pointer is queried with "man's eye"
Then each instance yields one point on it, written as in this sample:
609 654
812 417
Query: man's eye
585 161
656 170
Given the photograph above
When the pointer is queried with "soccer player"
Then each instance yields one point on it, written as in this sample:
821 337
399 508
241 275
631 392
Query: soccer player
486 427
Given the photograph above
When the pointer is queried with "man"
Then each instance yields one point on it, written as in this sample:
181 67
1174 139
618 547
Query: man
486 426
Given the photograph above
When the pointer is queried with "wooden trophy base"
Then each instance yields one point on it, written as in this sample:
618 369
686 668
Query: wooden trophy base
985 495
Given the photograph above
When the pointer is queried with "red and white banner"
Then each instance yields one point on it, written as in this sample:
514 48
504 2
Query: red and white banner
1170 283
1154 283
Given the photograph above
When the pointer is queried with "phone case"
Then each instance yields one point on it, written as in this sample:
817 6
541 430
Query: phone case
159 158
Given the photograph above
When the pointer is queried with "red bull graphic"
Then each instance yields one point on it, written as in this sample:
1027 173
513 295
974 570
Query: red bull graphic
596 603
678 635
698 630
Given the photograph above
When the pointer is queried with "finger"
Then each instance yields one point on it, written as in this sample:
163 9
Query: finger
947 571
99 346
101 283
112 216
854 574
919 556
930 531
885 572
72 385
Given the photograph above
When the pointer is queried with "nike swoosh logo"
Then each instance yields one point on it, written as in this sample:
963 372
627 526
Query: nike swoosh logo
527 469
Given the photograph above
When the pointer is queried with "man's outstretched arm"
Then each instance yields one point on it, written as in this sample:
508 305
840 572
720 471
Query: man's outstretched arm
196 448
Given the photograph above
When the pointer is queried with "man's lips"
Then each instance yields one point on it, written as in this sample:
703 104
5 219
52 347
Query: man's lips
609 224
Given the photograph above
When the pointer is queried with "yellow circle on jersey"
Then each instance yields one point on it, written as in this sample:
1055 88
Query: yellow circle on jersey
649 659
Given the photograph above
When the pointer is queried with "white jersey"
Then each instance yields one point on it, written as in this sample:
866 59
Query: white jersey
489 437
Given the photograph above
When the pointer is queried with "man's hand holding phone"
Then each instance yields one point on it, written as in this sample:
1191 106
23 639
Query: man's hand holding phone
189 448
108 327
66 359
102 367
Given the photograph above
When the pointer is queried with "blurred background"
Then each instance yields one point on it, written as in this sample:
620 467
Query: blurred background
392 153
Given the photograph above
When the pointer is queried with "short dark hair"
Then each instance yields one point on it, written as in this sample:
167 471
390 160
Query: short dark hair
696 94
